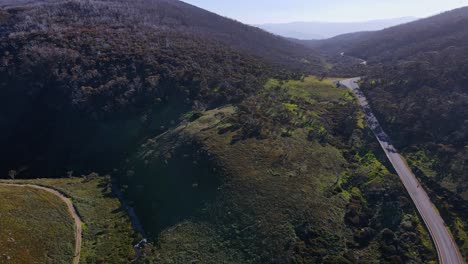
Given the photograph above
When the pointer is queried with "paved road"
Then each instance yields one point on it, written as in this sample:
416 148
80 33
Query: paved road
447 250
71 210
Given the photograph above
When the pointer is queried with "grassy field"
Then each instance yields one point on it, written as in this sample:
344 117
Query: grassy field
35 227
312 88
107 233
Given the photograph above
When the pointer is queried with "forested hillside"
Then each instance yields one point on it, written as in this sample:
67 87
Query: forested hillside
290 175
417 83
209 128
420 90
87 79
437 33
338 44
423 105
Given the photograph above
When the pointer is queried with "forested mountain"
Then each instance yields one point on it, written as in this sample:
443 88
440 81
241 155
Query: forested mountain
74 71
417 77
210 130
417 83
336 45
435 33
174 14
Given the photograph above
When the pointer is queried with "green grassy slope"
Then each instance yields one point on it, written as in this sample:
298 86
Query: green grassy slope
107 233
35 227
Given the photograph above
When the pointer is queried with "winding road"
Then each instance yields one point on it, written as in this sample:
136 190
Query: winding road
71 210
447 249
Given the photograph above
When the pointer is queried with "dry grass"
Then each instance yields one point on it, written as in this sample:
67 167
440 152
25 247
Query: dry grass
107 233
35 227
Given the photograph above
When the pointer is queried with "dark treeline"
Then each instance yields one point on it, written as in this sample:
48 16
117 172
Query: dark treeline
423 104
420 88
81 80
417 84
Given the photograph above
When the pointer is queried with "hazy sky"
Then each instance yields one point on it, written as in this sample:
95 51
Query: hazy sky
266 11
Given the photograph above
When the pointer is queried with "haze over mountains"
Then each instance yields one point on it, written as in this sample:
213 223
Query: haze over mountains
323 30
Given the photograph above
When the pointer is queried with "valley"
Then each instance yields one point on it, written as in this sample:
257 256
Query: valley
448 251
177 135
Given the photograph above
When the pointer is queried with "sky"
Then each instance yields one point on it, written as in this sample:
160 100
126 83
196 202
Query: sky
281 11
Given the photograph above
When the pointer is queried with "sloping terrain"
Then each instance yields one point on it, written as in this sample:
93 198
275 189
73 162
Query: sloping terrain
427 35
424 99
107 231
226 151
178 16
437 33
71 211
83 81
181 16
286 176
35 227
338 44
417 85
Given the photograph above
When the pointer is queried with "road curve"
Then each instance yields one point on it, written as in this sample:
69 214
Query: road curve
71 210
447 249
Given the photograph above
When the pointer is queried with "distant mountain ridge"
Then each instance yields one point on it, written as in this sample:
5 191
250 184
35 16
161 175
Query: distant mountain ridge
442 32
323 30
175 15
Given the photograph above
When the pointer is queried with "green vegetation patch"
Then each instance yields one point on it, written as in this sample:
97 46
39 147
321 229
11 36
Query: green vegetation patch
35 227
311 87
462 235
423 234
187 242
278 159
420 160
107 232
449 192
371 166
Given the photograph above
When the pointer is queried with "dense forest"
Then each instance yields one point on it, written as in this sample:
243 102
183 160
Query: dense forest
289 175
416 81
74 72
215 132
423 105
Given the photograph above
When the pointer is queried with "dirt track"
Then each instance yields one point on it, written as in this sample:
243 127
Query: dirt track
71 210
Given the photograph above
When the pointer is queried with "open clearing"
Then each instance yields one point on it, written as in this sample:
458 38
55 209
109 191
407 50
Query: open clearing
107 232
35 227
